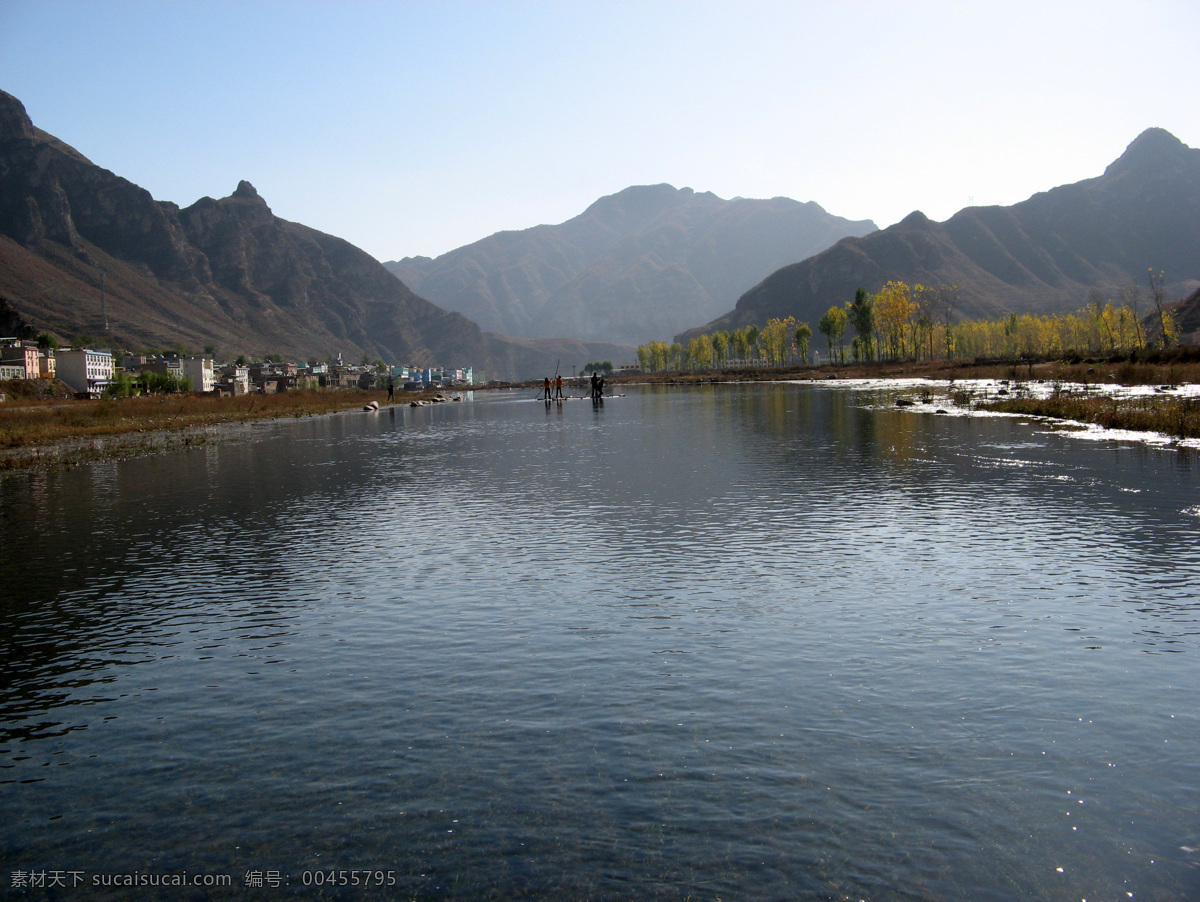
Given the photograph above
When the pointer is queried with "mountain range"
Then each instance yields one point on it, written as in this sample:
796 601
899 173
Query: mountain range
635 266
1043 255
84 252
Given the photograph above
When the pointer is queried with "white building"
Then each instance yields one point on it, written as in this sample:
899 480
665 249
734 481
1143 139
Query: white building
85 370
200 371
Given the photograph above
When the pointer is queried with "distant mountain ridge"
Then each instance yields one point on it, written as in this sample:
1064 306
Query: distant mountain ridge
1042 255
85 251
1187 315
634 266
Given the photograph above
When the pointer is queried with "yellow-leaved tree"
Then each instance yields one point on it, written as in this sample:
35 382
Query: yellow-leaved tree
700 352
894 307
776 339
833 326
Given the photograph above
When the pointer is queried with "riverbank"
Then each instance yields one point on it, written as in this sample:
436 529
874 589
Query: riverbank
38 432
1172 369
1177 417
1090 392
41 428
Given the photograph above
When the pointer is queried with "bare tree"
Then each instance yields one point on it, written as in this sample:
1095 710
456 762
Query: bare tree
947 300
1159 294
1131 295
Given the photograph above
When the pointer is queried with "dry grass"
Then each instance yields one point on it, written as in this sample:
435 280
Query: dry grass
40 432
38 422
1176 417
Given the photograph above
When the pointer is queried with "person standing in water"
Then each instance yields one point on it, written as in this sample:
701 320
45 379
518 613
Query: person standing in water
558 393
546 388
595 387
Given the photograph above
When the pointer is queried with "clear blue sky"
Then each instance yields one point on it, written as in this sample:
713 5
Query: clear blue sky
416 127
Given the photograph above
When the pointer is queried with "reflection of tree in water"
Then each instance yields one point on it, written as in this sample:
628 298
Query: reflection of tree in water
819 427
1107 518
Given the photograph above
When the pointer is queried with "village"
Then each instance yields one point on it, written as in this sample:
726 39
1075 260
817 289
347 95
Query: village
93 373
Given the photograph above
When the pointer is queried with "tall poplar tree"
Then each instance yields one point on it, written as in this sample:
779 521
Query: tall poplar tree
861 314
833 327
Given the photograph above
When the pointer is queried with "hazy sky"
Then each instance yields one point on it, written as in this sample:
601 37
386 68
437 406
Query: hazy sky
416 127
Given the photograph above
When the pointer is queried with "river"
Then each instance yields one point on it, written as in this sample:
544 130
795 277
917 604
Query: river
724 642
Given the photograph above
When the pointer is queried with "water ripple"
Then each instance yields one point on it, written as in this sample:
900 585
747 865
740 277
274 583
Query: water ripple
766 641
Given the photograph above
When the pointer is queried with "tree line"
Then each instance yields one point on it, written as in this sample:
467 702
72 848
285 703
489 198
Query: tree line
917 322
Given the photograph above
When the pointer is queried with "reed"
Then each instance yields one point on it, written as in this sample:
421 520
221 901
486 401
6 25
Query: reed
1164 414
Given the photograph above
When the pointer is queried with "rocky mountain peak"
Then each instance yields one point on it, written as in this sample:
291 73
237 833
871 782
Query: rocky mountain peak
637 206
15 123
1153 149
248 202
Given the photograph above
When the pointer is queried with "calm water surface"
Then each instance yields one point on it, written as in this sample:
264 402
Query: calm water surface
736 642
